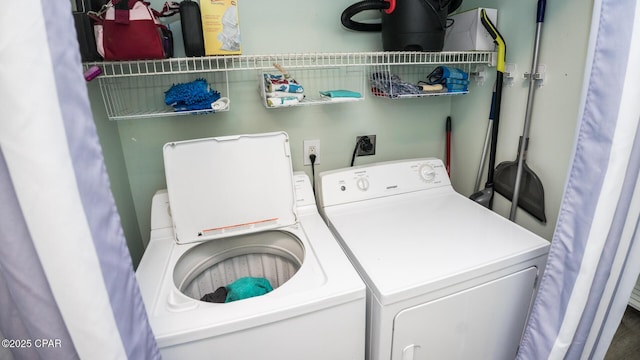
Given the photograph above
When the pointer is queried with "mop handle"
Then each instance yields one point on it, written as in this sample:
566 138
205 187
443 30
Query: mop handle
529 109
500 67
448 145
487 139
497 39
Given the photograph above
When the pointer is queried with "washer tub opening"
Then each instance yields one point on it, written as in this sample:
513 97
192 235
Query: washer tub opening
274 255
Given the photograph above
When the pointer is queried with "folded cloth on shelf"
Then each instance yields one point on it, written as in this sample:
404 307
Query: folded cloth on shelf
194 95
455 80
457 85
282 101
247 287
282 94
280 83
340 94
390 85
443 72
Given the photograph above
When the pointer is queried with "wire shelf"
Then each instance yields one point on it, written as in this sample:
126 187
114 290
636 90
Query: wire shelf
134 89
289 61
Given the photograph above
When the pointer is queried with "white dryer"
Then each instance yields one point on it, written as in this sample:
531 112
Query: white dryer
446 278
233 208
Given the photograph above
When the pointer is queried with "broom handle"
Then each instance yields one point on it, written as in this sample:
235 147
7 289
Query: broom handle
522 152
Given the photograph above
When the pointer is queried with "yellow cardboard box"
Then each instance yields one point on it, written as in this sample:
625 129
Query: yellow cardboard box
221 27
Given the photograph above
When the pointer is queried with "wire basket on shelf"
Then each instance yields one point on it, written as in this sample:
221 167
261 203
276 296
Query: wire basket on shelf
396 82
144 96
317 86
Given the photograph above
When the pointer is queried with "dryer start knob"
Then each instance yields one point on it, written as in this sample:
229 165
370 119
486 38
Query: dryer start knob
427 172
363 184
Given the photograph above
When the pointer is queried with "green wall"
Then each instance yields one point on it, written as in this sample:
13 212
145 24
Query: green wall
563 46
404 128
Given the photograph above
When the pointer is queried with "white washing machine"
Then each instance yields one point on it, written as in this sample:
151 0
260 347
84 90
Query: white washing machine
446 278
233 208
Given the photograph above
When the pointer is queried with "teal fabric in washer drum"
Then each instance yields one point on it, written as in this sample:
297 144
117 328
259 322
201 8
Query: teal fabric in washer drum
247 287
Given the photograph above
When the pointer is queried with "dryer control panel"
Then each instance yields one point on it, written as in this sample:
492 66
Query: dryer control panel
381 179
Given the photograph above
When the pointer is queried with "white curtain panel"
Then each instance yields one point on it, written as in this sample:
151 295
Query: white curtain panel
65 272
594 258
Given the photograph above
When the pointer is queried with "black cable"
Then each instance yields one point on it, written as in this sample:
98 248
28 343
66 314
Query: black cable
442 6
363 143
353 157
355 150
312 158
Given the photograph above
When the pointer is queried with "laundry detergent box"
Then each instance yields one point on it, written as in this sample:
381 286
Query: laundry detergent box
467 33
221 27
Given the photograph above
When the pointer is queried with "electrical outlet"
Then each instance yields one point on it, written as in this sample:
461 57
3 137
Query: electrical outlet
367 146
311 147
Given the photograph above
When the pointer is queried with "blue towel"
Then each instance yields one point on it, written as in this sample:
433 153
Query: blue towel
457 85
341 94
454 79
441 73
194 95
247 287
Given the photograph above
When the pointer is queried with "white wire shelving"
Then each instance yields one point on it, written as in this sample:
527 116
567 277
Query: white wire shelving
134 89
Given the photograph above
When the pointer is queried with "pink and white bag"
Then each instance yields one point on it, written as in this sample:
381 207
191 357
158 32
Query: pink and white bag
130 30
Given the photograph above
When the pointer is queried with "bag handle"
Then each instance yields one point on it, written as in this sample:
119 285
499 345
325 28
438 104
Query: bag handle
98 16
169 8
122 11
122 7
119 5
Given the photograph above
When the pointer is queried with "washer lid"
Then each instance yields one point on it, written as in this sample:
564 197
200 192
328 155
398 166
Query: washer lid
224 186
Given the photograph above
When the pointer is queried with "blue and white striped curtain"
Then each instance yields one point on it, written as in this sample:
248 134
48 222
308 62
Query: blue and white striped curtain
594 259
67 286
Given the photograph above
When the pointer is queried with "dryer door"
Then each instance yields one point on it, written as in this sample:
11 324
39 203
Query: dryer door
484 322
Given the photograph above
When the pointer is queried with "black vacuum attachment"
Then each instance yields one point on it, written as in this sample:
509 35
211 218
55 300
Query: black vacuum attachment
407 25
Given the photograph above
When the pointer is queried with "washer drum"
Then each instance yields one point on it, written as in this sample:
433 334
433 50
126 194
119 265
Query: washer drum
274 255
